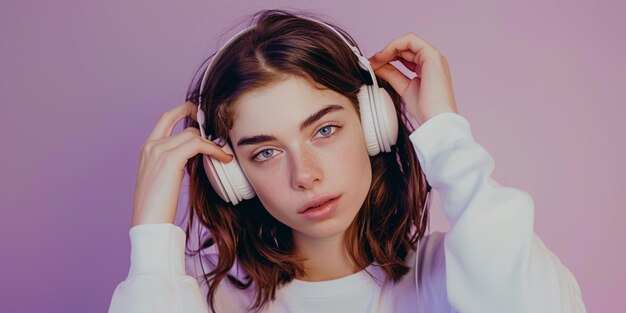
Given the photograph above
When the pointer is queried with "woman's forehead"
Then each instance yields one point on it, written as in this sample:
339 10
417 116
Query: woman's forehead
284 103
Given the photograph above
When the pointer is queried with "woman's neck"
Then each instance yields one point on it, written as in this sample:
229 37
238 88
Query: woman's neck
326 259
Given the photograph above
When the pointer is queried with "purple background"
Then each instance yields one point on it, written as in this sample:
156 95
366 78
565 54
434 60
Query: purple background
82 83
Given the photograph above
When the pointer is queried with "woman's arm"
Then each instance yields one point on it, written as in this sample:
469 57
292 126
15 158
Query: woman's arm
494 261
157 281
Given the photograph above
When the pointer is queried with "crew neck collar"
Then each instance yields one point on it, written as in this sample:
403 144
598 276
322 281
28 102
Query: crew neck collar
360 280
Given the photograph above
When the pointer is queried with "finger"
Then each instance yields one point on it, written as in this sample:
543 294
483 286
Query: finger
408 42
393 76
196 145
189 135
168 120
403 56
410 65
171 142
407 58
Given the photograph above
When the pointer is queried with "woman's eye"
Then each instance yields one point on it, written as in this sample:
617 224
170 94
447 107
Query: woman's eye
264 155
328 130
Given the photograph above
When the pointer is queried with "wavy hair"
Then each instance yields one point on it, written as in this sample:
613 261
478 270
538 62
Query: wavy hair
386 228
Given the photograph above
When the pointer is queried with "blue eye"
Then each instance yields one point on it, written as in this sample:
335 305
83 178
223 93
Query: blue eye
325 131
264 154
328 130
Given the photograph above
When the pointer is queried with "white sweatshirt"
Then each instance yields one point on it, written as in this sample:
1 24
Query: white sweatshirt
489 261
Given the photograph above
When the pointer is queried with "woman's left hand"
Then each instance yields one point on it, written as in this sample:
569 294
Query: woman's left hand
430 92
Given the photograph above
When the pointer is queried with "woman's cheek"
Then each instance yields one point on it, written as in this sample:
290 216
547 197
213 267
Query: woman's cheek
267 184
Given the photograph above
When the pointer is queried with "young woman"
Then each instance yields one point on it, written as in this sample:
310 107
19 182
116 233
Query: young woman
329 211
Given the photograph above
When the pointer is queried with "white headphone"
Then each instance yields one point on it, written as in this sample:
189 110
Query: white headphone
378 118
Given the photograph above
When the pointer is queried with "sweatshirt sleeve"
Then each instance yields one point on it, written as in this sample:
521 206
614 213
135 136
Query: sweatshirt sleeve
494 261
156 281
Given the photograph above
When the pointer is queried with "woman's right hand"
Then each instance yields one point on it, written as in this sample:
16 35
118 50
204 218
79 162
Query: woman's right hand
430 92
162 163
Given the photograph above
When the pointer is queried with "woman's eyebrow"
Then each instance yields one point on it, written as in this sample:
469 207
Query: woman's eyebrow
319 114
307 122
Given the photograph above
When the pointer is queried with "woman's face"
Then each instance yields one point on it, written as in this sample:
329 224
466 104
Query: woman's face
290 162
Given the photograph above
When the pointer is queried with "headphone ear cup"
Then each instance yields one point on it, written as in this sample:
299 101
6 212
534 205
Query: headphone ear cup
367 120
227 179
387 119
239 182
378 119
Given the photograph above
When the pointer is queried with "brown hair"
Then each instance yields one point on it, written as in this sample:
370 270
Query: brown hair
387 226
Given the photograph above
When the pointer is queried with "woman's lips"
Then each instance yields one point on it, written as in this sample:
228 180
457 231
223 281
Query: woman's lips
317 202
317 206
323 211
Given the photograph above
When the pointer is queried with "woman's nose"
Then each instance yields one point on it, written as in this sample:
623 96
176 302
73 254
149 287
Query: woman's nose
306 170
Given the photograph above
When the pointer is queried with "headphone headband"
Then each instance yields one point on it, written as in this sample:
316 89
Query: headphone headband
364 62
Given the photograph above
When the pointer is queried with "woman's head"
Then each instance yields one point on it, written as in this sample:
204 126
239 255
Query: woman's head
297 143
267 82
